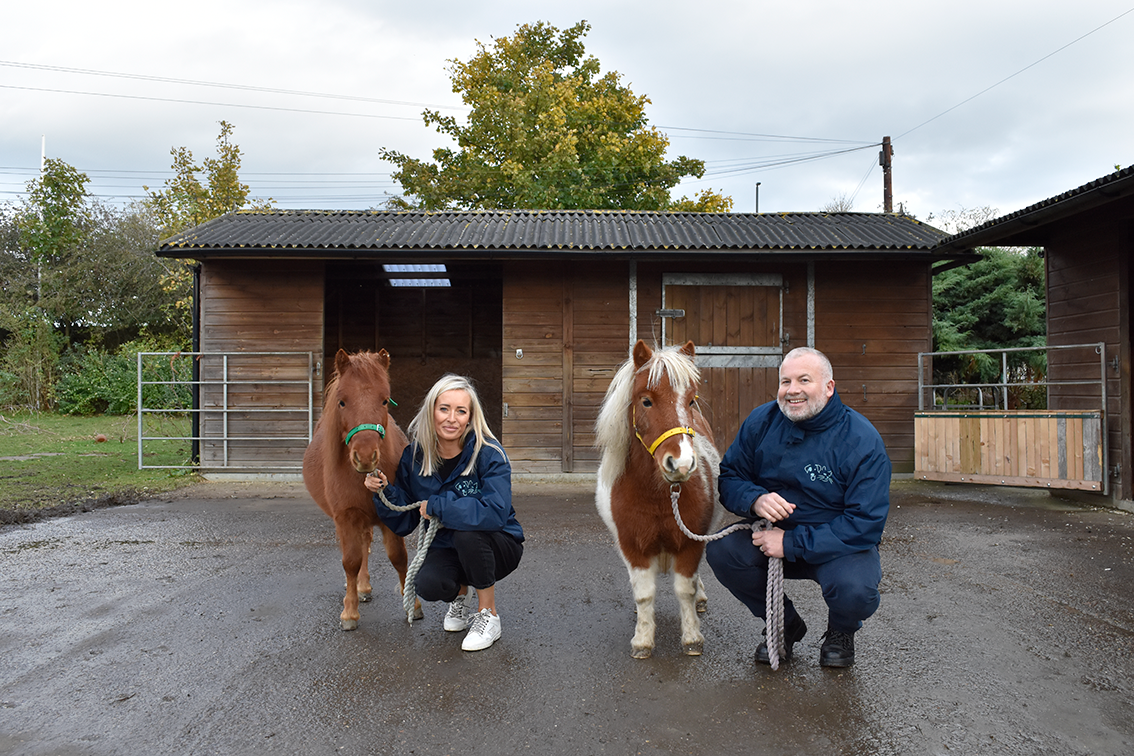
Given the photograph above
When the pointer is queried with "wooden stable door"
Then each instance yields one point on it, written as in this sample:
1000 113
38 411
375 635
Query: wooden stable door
736 323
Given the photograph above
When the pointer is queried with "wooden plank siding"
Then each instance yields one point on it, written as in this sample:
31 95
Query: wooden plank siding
871 321
1035 448
249 307
571 324
1088 300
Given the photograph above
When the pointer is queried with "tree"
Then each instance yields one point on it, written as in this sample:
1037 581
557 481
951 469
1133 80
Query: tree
186 202
546 130
997 302
840 204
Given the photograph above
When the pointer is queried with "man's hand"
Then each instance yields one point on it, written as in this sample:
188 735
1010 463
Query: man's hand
772 507
770 542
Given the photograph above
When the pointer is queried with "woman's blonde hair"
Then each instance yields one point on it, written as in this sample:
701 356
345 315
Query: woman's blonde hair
424 434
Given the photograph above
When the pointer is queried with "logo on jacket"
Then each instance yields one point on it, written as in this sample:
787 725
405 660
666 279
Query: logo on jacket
468 487
821 473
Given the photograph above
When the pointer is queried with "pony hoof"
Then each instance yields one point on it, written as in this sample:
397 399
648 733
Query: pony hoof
364 597
417 613
694 649
642 653
702 606
348 624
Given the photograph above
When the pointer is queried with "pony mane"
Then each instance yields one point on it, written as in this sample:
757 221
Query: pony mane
367 366
612 429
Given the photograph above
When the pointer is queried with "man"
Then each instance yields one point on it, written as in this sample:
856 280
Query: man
819 471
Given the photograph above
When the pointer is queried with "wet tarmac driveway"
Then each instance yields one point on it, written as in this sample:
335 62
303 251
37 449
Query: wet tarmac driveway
208 624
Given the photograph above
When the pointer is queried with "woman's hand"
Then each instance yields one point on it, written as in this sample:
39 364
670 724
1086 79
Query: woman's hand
375 481
422 510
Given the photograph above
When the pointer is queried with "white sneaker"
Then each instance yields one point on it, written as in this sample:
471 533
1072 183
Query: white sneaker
485 631
457 618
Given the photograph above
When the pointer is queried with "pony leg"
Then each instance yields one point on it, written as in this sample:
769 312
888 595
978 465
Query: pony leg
700 598
685 588
396 552
365 590
354 541
643 583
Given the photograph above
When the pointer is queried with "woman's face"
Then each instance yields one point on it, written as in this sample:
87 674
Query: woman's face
451 415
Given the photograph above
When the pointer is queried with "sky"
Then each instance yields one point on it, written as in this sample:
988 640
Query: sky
993 104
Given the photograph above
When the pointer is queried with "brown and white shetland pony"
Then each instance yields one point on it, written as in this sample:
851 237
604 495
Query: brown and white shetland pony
653 437
355 435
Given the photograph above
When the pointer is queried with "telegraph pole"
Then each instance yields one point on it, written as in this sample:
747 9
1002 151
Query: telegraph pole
885 159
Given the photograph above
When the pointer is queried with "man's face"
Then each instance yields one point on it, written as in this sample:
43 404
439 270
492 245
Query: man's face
803 389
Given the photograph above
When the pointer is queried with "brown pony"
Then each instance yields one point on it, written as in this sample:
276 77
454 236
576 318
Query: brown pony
355 435
655 441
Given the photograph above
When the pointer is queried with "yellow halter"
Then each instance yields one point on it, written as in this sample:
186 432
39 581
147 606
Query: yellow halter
671 432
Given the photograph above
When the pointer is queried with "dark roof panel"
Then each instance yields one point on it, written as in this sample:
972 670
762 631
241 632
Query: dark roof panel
287 231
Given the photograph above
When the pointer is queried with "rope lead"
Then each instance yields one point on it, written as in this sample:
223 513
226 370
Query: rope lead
774 598
424 539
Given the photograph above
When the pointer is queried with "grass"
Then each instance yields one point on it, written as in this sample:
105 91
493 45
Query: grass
50 463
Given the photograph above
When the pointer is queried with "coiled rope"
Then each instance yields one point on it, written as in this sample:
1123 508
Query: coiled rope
424 538
774 596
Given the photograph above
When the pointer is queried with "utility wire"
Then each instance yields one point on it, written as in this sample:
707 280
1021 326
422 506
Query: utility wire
1025 68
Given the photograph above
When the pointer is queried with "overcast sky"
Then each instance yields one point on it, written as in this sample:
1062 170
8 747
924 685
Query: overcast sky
998 103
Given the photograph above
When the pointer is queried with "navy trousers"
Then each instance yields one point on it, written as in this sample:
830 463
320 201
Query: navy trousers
849 583
478 558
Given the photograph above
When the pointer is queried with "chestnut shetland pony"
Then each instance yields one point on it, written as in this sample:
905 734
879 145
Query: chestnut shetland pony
653 437
355 435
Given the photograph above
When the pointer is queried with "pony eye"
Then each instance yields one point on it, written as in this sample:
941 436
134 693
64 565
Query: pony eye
647 403
385 402
342 403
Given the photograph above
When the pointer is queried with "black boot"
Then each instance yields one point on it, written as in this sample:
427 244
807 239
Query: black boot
837 649
794 631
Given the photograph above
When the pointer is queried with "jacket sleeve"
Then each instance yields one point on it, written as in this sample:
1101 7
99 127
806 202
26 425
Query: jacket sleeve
399 494
740 467
486 509
859 527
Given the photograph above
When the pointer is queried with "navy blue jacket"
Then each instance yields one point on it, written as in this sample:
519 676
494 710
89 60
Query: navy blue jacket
481 500
833 467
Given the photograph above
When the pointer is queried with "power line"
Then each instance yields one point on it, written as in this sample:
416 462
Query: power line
1025 68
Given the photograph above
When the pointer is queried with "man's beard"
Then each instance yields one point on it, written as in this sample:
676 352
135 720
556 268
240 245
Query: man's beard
797 413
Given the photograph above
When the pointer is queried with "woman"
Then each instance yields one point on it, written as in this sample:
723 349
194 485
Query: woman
460 474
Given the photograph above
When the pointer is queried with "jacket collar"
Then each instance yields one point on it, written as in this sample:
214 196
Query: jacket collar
827 417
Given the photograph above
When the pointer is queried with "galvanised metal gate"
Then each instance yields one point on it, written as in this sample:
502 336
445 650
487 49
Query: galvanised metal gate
249 412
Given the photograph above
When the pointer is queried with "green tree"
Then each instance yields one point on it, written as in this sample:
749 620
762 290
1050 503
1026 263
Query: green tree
546 130
186 202
997 302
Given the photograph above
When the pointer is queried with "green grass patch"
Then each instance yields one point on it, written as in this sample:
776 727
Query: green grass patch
49 461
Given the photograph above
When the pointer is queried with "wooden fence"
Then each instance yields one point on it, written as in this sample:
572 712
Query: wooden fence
1036 448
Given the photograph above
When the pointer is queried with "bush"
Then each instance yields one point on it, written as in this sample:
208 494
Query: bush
29 364
97 382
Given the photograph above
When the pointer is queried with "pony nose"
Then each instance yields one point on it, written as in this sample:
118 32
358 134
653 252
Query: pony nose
364 464
679 468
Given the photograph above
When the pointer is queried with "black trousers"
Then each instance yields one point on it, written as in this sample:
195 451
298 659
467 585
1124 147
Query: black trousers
477 558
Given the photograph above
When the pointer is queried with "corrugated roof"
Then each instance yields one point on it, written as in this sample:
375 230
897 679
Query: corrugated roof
1025 226
260 233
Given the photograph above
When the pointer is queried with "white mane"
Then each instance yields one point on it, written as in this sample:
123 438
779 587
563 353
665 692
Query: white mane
612 429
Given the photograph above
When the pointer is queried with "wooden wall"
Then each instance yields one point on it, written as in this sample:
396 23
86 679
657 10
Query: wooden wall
571 323
871 320
1088 300
254 306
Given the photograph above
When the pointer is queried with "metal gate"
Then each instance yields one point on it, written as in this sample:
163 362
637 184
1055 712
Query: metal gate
248 411
970 434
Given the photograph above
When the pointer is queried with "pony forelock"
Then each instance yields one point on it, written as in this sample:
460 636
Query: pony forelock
612 429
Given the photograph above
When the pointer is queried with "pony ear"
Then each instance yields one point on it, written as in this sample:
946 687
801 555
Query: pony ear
384 358
642 354
342 362
689 348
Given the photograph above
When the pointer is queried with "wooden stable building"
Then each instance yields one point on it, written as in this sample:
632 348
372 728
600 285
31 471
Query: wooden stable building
540 307
1087 235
